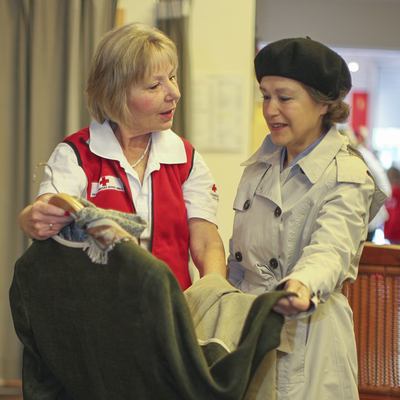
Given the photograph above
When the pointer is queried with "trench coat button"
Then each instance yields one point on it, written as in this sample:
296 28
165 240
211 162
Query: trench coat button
247 205
273 263
277 212
238 256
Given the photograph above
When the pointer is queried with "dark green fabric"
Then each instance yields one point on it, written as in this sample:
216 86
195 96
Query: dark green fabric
213 352
122 330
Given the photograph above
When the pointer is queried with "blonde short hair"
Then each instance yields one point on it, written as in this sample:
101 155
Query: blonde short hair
125 56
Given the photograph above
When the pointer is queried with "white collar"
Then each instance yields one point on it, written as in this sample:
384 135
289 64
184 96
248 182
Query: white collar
166 148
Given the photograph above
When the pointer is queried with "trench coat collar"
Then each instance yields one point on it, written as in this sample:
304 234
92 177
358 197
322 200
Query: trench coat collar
267 153
312 165
319 159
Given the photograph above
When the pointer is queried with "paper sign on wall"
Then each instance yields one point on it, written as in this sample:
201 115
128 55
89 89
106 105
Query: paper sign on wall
217 113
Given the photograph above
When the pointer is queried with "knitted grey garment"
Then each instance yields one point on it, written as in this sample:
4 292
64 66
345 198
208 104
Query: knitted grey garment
132 223
87 217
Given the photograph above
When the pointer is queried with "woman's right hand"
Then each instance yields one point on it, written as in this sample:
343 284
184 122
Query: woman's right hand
41 220
293 305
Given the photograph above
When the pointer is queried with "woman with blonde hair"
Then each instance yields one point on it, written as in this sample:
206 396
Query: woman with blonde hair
129 160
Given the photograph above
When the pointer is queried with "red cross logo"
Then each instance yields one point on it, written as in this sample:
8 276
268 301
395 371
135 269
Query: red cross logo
214 188
104 181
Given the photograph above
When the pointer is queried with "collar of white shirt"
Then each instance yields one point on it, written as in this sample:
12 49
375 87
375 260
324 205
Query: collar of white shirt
166 148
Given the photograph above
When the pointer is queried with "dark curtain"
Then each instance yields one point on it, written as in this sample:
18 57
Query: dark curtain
173 19
46 47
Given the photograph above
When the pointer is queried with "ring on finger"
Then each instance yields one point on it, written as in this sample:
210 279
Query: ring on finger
51 227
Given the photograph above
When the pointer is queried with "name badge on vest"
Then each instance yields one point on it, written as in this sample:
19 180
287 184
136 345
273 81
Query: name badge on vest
107 183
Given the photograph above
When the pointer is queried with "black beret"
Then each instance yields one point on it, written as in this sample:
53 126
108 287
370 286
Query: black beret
306 61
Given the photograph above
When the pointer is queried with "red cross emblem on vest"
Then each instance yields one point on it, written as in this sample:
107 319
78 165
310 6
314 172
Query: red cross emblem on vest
214 188
104 181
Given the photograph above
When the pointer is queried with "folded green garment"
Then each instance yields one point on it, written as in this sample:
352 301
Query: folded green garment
123 330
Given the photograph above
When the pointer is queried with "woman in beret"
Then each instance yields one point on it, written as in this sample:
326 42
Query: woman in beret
301 216
129 160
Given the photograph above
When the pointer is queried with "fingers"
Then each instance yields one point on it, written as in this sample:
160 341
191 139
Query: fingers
291 305
46 220
40 208
298 302
44 230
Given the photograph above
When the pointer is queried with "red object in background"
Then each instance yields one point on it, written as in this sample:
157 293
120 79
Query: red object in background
359 110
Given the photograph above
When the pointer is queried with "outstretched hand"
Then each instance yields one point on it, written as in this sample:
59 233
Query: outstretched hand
42 220
293 305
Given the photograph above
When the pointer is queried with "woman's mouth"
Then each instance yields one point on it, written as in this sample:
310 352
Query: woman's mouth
277 127
168 114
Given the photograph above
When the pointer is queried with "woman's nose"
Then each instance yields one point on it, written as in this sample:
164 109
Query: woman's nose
173 92
270 108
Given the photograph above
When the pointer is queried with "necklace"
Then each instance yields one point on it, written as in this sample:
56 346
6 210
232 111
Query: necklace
145 151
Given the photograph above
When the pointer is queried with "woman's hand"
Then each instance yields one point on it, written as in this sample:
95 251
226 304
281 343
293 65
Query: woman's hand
42 220
293 305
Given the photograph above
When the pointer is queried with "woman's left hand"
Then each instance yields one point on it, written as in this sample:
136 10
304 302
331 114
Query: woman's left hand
293 305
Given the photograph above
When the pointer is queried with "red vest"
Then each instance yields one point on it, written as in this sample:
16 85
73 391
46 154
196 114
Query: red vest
108 188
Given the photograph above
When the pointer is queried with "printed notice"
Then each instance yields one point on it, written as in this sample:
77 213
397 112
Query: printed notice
217 113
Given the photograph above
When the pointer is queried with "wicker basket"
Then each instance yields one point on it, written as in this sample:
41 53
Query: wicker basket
375 301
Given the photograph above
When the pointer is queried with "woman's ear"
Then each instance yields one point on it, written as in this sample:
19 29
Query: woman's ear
324 108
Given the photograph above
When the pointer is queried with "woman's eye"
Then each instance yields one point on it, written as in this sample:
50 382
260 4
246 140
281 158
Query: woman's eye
172 78
285 98
265 97
154 86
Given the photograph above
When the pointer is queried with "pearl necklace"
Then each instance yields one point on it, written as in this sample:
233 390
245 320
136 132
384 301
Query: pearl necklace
145 151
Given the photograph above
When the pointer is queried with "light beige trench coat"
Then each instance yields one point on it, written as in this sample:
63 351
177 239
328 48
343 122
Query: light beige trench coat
307 223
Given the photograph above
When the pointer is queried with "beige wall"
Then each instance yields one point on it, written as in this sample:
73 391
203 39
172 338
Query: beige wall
222 42
138 11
